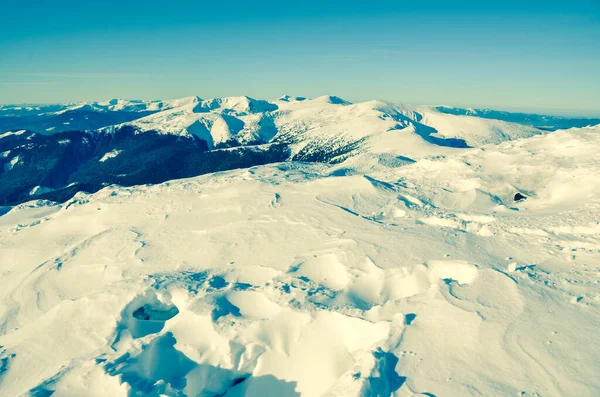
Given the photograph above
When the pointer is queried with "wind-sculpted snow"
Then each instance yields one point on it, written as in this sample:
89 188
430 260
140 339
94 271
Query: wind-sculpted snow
383 275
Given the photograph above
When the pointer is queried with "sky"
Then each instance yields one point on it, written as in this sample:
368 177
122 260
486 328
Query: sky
542 56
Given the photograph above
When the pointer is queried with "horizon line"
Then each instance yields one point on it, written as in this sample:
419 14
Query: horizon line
516 110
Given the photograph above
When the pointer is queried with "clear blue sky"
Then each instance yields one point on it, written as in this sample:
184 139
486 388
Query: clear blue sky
516 55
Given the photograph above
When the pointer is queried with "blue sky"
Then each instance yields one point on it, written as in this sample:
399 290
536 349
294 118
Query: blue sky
541 56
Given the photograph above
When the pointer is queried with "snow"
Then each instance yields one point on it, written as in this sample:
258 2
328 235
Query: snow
122 105
12 163
328 270
476 131
12 133
216 121
36 191
253 304
405 270
327 123
110 155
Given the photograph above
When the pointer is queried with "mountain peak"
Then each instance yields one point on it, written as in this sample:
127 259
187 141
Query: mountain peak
332 99
288 98
239 105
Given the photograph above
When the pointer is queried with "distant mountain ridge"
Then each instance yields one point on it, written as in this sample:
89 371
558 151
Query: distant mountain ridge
550 123
53 151
51 119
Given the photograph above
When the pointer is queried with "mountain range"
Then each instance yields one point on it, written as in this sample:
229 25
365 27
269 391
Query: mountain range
329 249
53 151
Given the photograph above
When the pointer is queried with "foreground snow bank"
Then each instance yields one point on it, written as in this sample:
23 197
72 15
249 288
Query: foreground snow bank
413 279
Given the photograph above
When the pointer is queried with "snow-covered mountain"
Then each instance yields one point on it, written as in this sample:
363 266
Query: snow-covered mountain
410 266
244 120
52 119
550 123
112 105
192 136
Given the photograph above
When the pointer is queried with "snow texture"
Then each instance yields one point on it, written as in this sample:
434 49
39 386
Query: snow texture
408 269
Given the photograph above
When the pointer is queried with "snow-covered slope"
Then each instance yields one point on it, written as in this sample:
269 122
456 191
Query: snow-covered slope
326 121
162 140
216 121
83 116
378 276
476 131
